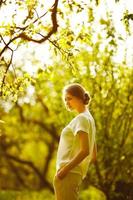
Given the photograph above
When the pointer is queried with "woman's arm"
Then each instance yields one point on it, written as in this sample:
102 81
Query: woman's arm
82 153
94 155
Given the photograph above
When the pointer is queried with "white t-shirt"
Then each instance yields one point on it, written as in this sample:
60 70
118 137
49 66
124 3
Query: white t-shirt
69 142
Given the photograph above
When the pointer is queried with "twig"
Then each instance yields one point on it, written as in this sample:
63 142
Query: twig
4 77
52 31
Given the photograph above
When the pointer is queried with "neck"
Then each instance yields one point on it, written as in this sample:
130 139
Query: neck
81 109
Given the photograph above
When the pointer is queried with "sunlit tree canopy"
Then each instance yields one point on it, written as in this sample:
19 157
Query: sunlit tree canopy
45 45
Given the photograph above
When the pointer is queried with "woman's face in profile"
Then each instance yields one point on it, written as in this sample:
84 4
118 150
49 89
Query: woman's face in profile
71 102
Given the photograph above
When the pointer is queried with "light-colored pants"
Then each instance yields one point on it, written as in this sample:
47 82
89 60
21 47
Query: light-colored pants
68 187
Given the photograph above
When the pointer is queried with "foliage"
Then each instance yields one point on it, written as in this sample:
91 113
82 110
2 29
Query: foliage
83 52
25 195
37 22
91 193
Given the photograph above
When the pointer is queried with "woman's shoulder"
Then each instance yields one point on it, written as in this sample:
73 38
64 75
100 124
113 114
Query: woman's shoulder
82 117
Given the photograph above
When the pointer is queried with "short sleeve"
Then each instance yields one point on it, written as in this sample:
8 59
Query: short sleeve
81 124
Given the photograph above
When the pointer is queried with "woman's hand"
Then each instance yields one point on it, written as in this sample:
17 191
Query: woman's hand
61 173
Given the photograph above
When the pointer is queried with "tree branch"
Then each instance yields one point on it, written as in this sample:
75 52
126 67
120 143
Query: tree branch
23 35
2 2
5 73
48 158
44 183
7 45
52 31
100 178
17 173
51 130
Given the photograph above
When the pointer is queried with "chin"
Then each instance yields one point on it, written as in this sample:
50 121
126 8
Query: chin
69 108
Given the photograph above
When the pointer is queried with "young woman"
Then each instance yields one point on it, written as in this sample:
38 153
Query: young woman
77 145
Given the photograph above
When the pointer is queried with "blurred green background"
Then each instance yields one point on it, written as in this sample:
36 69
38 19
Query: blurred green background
45 46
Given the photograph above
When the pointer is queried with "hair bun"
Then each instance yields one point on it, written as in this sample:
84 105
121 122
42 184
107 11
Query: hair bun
86 98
